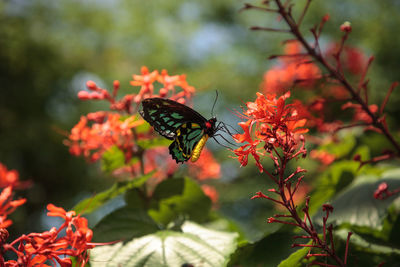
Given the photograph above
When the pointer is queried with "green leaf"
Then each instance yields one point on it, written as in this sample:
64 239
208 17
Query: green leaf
177 198
342 148
124 224
154 142
195 245
338 176
92 203
113 159
356 205
268 251
367 246
296 258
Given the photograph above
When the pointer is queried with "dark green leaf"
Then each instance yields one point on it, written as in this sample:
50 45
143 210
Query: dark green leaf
269 251
357 206
124 224
195 245
92 203
177 198
338 176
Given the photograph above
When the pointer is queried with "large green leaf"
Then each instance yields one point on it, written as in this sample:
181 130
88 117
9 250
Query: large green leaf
177 198
267 252
333 180
124 224
356 205
92 203
360 243
195 245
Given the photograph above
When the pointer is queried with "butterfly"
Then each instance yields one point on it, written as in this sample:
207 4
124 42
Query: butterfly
175 121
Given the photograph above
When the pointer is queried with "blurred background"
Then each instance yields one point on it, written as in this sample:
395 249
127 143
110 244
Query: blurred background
49 49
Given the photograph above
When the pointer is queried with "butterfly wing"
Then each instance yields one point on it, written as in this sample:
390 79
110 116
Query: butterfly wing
187 137
167 116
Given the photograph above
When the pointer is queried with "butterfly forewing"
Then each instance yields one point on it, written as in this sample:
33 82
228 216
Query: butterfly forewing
166 116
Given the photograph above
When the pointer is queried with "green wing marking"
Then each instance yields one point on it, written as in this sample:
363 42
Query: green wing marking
187 137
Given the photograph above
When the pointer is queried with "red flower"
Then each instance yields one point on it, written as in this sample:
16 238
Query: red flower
11 178
359 114
276 124
93 140
292 69
210 192
7 206
323 156
206 167
35 249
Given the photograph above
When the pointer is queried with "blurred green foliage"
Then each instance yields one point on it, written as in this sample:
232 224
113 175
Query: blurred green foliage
49 49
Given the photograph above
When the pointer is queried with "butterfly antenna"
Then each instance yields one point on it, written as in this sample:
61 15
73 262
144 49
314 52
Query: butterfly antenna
215 101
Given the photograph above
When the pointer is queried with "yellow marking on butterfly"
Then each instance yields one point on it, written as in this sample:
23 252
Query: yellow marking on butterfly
183 125
178 132
198 148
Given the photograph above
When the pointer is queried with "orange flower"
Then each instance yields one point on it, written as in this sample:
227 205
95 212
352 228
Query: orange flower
323 156
211 192
276 124
7 206
293 69
206 167
146 81
93 140
11 178
359 114
35 249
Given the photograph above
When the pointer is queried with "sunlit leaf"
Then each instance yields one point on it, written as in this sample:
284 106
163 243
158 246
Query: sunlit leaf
124 224
194 245
357 206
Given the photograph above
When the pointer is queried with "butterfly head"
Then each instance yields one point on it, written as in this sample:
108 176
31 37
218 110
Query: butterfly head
211 127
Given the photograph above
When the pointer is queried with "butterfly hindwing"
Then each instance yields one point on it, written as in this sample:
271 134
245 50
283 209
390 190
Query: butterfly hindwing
186 139
166 116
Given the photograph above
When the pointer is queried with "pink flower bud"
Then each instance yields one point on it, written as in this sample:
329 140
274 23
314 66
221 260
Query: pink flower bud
116 85
163 92
346 27
83 95
91 85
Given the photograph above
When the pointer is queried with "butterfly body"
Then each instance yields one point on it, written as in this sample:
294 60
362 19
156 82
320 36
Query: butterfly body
187 128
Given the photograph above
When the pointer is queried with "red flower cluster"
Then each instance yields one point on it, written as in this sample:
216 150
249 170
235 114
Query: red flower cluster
276 124
294 68
37 249
106 130
7 206
9 179
146 80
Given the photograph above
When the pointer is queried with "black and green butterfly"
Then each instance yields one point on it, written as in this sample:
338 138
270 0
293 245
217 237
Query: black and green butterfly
178 122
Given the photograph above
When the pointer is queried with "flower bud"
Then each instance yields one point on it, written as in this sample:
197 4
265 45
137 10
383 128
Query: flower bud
91 85
346 27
